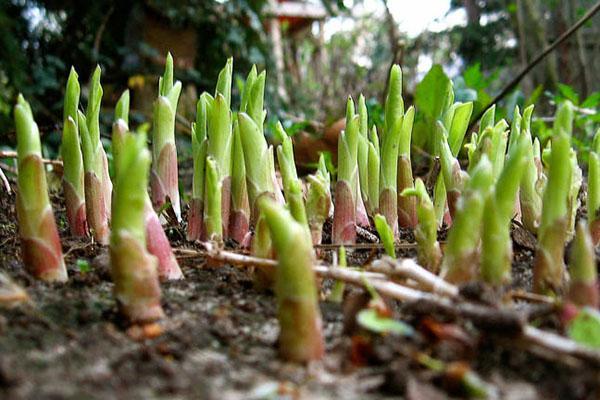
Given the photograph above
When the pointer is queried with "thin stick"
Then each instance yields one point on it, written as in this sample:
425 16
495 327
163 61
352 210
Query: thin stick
13 154
5 181
364 246
515 81
492 319
408 268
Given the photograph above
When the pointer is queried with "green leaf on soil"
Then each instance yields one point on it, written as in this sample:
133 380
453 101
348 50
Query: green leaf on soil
372 321
585 328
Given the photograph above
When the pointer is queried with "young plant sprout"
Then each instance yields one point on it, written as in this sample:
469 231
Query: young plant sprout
583 285
386 235
573 200
73 172
461 257
492 142
318 200
407 206
593 187
212 209
429 254
157 242
455 122
134 270
292 186
40 244
122 107
532 182
393 127
337 292
199 143
496 249
454 178
363 208
164 175
220 139
239 222
549 267
98 187
373 171
346 187
301 336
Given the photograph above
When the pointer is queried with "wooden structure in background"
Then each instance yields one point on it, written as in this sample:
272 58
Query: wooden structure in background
296 15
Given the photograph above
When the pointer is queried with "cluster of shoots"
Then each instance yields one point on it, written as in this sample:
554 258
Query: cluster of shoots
236 195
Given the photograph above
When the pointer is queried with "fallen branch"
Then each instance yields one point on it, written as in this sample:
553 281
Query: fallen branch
13 154
408 268
486 318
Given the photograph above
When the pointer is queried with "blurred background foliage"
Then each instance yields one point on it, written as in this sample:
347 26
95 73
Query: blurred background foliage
346 50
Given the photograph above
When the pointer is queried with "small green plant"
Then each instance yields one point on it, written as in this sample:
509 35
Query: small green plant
318 200
301 336
40 244
496 246
583 285
239 222
365 208
220 139
73 171
549 268
532 183
199 144
346 187
461 257
386 235
429 254
292 186
593 192
212 209
122 107
393 127
134 270
407 207
454 178
98 187
157 242
164 175
373 171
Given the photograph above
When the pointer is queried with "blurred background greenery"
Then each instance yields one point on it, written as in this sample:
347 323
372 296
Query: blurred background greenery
316 54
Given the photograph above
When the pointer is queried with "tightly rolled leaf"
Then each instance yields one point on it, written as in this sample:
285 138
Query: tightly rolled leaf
583 285
292 187
373 171
301 336
318 200
461 257
593 194
532 183
393 126
73 172
429 253
496 251
195 226
220 139
40 244
363 151
164 174
573 200
407 206
239 222
454 177
157 242
549 267
98 187
122 107
346 187
212 210
97 215
134 270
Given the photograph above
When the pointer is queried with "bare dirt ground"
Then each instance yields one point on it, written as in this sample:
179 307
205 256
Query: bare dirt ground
219 340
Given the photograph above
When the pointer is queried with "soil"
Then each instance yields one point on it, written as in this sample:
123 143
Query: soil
219 340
